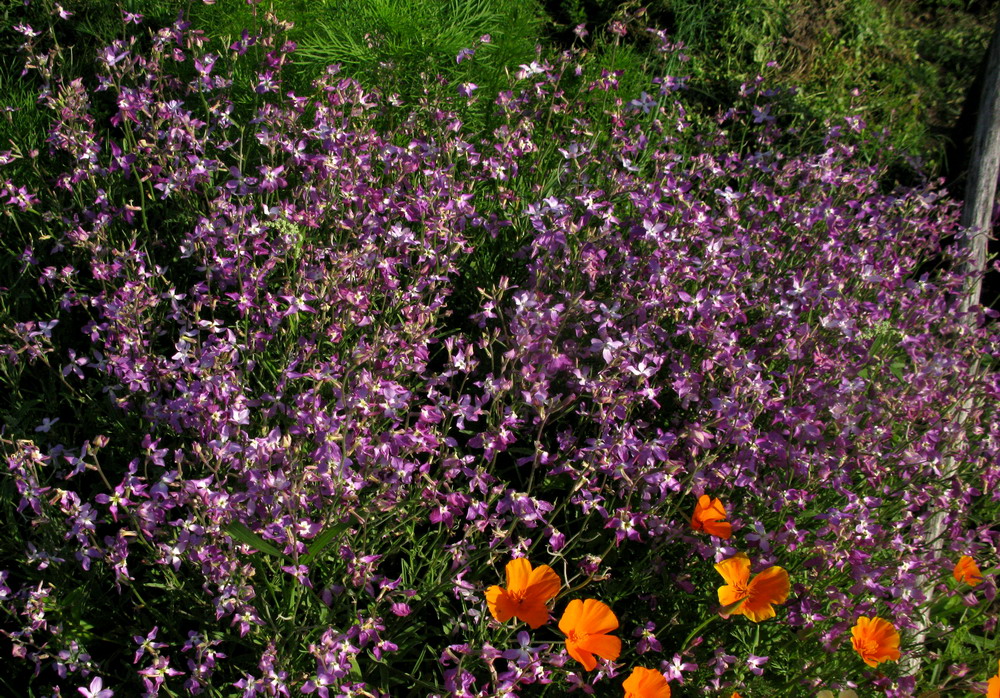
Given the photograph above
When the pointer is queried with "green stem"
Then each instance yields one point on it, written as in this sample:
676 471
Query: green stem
694 633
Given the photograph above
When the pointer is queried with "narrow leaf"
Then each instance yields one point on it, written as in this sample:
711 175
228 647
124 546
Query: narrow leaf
322 540
244 535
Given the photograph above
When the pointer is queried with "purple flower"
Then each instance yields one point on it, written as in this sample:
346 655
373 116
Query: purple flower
147 645
674 669
46 424
755 663
270 178
644 103
524 653
647 638
96 689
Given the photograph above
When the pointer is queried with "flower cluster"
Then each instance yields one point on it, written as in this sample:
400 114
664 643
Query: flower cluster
586 623
290 363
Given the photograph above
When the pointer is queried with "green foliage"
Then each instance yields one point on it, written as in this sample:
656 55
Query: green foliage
901 66
401 45
593 13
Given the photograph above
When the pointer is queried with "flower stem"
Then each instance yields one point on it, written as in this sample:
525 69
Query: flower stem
694 633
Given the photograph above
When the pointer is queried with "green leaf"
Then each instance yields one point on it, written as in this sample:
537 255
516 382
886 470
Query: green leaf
244 535
322 540
355 672
981 643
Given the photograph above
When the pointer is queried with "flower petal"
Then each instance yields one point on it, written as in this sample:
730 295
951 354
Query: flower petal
720 529
875 640
966 570
735 570
581 655
571 617
585 623
883 632
709 516
711 509
771 584
596 617
607 646
518 573
501 606
756 610
543 584
534 614
728 595
646 683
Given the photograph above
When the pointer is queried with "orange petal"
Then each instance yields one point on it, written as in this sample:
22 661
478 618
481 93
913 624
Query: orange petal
883 632
543 584
596 617
993 687
966 570
500 604
711 509
769 587
646 683
534 614
875 640
704 501
607 646
735 570
709 516
585 623
729 595
518 574
720 529
771 584
581 655
756 610
571 617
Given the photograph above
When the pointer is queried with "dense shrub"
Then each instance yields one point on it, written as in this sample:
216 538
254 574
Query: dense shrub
287 394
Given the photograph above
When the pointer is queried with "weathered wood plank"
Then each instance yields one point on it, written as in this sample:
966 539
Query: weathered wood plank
984 166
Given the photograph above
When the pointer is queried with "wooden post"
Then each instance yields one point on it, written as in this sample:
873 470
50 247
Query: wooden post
981 186
977 214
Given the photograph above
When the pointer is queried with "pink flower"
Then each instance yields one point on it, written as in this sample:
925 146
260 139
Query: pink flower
96 689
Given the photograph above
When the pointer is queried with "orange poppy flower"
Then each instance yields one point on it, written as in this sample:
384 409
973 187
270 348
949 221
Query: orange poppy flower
993 687
710 517
751 597
527 593
876 640
735 695
586 625
646 683
966 570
